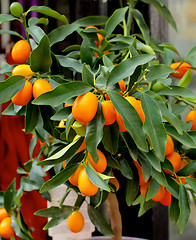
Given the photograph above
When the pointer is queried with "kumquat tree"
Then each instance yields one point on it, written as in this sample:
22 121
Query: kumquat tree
118 102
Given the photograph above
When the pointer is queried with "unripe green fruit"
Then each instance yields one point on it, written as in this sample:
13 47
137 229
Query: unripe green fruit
16 9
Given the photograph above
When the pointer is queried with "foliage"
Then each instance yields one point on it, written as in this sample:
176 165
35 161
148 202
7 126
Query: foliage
144 65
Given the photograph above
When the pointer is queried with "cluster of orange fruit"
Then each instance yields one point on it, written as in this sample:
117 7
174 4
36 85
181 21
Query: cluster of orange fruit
20 54
6 230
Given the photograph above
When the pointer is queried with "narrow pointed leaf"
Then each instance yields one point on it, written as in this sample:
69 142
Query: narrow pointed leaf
125 169
152 190
154 160
62 93
87 75
91 20
36 32
160 71
9 196
54 211
127 68
153 126
70 63
6 18
131 119
31 119
10 32
186 79
131 191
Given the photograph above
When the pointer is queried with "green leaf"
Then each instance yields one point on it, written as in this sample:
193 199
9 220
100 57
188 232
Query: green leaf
9 196
62 93
145 206
186 79
170 47
47 112
54 211
190 57
28 185
131 190
170 117
154 161
70 63
6 18
64 154
13 109
49 12
125 169
33 21
153 126
130 144
117 17
94 133
36 32
189 169
159 176
184 206
41 56
55 221
174 210
99 221
163 11
152 190
178 91
184 138
96 179
31 119
91 20
192 183
86 53
60 33
87 75
127 68
111 137
141 24
58 179
62 114
131 119
156 72
10 86
10 32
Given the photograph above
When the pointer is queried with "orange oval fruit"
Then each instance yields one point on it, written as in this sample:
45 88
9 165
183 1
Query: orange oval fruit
137 105
85 107
86 187
74 177
23 70
182 68
166 200
3 213
122 85
101 165
23 96
41 86
191 116
120 122
109 112
6 230
76 221
159 195
140 173
169 148
175 160
21 51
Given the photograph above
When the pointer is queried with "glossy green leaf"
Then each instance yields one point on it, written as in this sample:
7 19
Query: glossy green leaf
141 24
91 20
99 221
170 117
186 79
146 167
171 47
131 119
163 10
190 57
47 112
152 190
6 18
154 161
49 12
41 56
15 110
54 211
10 32
31 119
62 93
96 179
111 137
184 138
86 53
184 205
116 18
173 186
145 206
10 86
87 75
131 190
33 21
125 169
55 221
157 72
189 169
153 126
94 133
192 183
178 91
130 144
62 114
174 210
60 33
58 179
36 32
9 196
70 63
127 68
64 154
159 176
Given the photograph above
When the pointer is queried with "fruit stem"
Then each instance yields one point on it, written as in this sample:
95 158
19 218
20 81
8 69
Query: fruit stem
25 26
68 190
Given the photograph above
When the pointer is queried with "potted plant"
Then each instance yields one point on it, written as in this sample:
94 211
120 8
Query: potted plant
106 106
